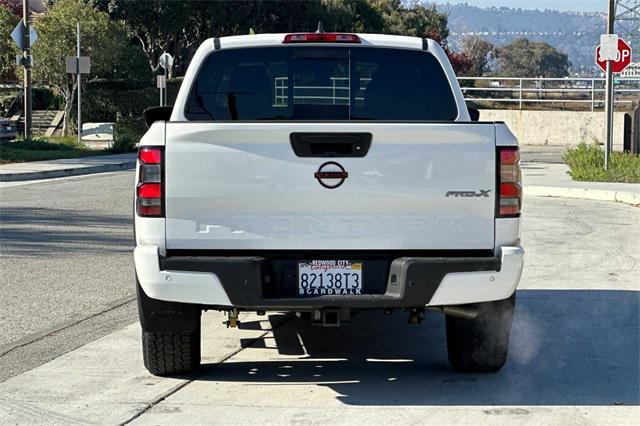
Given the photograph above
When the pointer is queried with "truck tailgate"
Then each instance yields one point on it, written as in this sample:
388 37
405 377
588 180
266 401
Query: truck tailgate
241 186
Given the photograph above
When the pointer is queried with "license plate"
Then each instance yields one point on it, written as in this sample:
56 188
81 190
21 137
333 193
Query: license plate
329 277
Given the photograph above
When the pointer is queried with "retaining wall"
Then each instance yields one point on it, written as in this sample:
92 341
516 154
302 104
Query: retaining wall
567 128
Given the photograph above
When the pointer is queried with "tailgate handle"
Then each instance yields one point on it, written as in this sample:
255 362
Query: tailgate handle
330 144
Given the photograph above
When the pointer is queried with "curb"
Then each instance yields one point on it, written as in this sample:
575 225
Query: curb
73 171
630 198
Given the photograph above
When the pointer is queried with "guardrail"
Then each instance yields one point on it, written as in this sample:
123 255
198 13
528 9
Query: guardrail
587 91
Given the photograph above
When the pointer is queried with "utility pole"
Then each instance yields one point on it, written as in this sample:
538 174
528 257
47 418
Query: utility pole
628 22
79 84
609 101
26 55
78 65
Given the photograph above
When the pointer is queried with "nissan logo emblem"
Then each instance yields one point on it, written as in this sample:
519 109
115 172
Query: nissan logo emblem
331 175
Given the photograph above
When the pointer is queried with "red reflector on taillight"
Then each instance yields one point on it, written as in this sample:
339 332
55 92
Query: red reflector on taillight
509 156
510 190
510 182
150 155
321 38
150 190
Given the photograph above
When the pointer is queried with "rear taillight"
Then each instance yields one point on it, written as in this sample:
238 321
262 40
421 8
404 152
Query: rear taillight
150 191
321 38
510 182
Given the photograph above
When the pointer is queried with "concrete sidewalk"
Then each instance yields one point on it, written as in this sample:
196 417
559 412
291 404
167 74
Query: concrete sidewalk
66 167
542 153
553 180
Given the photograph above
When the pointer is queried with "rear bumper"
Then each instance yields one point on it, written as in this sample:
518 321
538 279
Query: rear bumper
412 281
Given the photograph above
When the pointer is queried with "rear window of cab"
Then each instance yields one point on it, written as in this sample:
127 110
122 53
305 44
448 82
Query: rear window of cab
321 83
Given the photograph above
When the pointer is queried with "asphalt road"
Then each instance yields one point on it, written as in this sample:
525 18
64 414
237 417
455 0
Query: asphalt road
66 265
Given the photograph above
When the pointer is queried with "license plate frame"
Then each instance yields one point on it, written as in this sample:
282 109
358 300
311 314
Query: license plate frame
333 277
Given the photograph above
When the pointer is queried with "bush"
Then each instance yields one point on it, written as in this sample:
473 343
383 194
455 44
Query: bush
57 143
37 149
586 163
124 143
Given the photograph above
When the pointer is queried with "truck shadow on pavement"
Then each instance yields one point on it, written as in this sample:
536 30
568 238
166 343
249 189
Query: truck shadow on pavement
568 347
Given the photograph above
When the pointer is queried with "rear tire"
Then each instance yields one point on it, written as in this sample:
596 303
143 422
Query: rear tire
480 345
170 335
171 353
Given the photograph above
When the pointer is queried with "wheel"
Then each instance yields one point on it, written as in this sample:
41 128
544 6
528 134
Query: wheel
480 345
171 353
170 335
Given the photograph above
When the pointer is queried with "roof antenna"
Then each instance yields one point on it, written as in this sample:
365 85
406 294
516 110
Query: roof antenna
320 29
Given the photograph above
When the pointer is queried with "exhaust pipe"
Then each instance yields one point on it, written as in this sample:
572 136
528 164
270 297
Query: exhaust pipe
466 312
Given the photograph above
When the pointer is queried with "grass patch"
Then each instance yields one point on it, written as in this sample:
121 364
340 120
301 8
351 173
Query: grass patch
38 149
586 163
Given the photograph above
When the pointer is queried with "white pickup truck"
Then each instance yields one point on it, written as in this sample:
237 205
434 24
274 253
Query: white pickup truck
325 173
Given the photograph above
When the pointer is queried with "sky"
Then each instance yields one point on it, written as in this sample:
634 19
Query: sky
571 5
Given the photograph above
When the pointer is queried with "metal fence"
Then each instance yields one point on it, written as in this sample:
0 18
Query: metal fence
339 92
583 93
588 92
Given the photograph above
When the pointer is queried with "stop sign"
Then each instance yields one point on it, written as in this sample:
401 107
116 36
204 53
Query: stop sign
623 60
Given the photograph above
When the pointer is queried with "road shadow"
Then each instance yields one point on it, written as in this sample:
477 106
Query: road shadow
567 348
36 231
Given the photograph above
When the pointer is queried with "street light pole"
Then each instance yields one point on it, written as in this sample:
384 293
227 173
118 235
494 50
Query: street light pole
26 57
609 106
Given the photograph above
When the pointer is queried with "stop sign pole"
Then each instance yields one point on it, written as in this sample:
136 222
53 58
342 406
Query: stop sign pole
612 56
609 89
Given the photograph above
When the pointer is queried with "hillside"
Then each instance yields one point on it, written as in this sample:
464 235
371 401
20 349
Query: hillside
574 33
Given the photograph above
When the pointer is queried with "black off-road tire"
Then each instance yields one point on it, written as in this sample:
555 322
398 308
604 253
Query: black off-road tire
171 353
480 345
170 335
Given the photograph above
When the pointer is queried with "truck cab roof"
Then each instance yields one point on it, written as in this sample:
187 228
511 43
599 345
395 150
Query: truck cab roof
277 39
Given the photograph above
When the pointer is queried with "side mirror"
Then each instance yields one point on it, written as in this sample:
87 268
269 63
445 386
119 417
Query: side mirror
474 114
157 113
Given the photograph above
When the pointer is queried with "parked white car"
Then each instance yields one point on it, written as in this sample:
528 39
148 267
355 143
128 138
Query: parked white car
323 173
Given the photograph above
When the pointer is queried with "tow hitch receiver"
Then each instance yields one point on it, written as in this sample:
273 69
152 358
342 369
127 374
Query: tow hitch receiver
331 317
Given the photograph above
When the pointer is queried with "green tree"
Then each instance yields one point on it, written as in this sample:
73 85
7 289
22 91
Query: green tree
8 49
525 58
104 41
157 25
179 27
344 15
480 53
13 6
421 21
